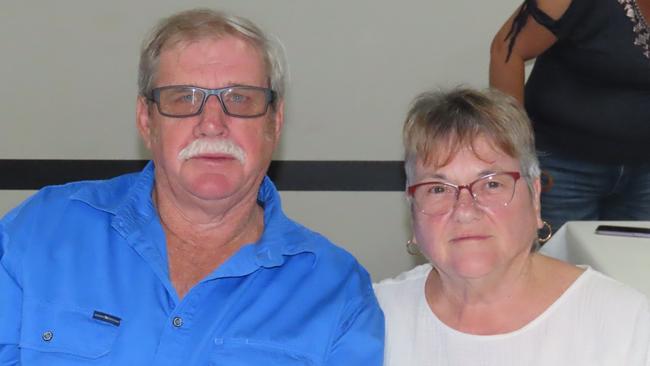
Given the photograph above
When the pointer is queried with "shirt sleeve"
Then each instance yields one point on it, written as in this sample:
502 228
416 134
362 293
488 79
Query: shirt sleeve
562 28
573 17
360 340
10 308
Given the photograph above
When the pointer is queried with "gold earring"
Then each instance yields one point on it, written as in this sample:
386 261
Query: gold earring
548 227
412 248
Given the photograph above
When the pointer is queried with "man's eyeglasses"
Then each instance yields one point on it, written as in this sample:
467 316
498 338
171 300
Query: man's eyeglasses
437 197
237 101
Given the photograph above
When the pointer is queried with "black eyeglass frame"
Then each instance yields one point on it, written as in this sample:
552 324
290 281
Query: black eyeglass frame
154 97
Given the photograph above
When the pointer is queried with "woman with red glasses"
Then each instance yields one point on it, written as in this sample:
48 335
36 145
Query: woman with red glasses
487 297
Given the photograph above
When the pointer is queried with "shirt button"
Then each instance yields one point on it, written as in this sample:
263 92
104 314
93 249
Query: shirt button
47 336
177 321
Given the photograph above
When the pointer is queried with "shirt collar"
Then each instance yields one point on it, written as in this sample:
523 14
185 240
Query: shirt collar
281 237
126 197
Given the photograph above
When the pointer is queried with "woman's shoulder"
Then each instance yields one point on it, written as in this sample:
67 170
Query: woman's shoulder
611 292
603 305
402 286
611 316
412 276
583 281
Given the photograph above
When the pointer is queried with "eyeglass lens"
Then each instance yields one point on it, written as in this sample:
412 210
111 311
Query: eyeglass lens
184 101
439 197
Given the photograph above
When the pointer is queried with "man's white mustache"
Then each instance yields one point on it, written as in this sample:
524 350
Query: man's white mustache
209 146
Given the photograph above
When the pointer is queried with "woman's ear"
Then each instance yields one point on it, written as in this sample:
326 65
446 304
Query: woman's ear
537 205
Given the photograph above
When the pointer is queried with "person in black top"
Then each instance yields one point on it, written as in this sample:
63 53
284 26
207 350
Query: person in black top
588 96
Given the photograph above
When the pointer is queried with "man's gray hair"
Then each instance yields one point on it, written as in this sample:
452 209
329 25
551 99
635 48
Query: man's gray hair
440 123
199 24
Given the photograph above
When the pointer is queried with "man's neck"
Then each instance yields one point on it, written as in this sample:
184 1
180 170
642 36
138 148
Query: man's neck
196 246
219 224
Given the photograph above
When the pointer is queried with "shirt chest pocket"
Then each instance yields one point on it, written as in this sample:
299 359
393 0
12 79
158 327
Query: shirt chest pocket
50 330
248 352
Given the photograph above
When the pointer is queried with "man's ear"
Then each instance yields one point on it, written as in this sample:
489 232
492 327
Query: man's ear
278 119
143 121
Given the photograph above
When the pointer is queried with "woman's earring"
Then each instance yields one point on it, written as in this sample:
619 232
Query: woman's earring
412 248
546 227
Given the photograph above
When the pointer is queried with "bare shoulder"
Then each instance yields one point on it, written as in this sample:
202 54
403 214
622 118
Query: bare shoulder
554 8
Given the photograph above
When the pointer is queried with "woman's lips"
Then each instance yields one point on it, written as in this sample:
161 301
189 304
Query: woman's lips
469 237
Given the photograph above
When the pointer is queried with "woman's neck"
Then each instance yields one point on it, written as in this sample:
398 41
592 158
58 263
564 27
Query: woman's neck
490 305
486 308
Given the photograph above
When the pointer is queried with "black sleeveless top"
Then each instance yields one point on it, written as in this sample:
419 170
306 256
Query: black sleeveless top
589 94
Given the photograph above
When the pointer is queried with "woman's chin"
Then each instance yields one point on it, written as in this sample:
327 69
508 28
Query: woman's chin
473 268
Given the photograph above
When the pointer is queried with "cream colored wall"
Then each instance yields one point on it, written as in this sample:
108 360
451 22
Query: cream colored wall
68 72
11 198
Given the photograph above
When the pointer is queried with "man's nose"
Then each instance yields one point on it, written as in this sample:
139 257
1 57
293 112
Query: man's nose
212 120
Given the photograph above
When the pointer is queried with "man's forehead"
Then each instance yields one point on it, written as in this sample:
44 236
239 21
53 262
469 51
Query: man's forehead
211 48
214 59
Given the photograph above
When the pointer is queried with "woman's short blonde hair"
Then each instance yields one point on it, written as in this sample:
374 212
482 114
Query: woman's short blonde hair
440 123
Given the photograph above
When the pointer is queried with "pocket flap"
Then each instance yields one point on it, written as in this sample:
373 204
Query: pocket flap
242 352
48 327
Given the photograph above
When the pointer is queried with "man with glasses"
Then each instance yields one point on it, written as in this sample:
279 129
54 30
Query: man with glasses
190 261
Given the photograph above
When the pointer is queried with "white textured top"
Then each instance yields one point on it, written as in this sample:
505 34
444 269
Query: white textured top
596 321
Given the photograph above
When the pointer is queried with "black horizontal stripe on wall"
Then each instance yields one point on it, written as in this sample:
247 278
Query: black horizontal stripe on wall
288 175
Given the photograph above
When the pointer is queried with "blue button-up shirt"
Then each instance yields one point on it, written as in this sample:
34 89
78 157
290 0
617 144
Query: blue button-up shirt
84 281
